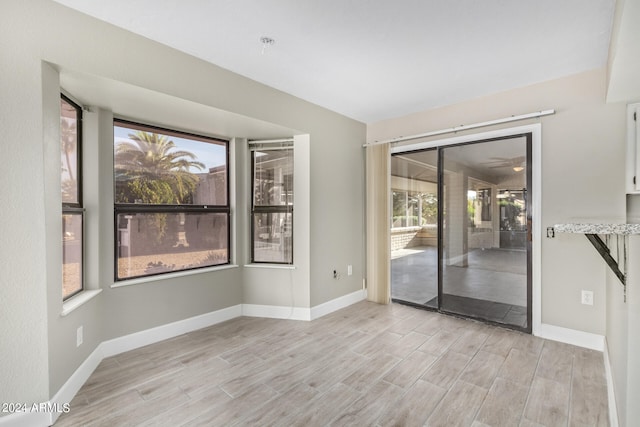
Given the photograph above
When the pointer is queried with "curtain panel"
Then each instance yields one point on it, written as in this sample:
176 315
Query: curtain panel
378 223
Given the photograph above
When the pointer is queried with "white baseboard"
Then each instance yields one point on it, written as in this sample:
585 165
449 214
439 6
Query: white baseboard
276 312
570 336
611 392
26 419
69 389
302 313
338 303
170 330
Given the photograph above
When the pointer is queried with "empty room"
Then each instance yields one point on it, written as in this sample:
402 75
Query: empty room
320 213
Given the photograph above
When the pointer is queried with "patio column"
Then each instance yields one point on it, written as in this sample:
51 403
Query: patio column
457 219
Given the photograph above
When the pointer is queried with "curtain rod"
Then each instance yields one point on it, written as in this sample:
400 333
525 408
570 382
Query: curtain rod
270 141
465 127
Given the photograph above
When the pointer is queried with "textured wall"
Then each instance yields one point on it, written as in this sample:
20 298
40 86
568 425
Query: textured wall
23 291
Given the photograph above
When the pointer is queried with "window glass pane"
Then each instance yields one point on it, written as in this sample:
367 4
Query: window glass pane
399 209
413 219
71 254
273 178
429 209
69 152
272 237
414 209
155 243
165 167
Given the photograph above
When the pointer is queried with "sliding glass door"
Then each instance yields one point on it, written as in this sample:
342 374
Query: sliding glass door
485 256
414 228
461 229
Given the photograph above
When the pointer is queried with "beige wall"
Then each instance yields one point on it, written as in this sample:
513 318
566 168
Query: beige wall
24 372
583 148
38 344
337 238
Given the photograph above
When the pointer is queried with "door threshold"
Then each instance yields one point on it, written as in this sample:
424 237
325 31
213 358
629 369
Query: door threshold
462 316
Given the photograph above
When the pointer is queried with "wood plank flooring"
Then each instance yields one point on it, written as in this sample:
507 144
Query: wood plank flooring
365 365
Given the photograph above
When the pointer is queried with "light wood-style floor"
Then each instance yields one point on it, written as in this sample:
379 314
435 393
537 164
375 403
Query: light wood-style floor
365 365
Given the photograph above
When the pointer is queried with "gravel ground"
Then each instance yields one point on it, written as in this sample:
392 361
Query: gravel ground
148 264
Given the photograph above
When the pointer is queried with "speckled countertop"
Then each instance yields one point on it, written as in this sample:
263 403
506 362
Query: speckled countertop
584 228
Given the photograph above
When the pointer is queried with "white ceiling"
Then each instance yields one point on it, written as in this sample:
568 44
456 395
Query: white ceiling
376 59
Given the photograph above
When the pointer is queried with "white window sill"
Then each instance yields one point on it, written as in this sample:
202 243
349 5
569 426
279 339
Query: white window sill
276 266
405 229
78 300
166 276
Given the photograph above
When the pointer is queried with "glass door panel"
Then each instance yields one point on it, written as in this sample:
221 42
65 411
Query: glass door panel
414 228
485 249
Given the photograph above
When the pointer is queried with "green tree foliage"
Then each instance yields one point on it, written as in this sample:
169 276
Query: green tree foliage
429 208
145 189
151 170
471 211
68 143
511 213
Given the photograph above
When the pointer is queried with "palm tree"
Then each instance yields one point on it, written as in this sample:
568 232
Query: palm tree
150 169
68 136
68 144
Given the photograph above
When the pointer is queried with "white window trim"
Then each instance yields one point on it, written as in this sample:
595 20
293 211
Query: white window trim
274 266
269 145
125 122
165 276
78 300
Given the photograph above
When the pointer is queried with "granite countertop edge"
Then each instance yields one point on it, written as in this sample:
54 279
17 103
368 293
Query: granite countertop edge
587 228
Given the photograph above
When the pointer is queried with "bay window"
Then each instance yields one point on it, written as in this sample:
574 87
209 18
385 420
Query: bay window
171 200
272 205
72 209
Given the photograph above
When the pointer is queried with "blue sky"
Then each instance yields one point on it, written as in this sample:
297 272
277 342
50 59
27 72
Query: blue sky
211 155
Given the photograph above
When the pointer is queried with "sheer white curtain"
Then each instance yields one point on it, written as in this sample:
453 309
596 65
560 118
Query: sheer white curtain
378 223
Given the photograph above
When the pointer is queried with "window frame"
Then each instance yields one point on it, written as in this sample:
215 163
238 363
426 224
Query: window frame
133 208
269 209
77 208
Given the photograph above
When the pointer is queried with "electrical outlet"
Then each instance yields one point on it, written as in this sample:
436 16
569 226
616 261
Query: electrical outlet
349 270
551 232
587 297
79 337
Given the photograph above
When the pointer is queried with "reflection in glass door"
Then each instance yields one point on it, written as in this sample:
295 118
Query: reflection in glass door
460 231
414 228
485 256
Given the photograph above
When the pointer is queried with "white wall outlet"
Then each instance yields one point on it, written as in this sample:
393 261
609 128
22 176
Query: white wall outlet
349 270
587 297
79 336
